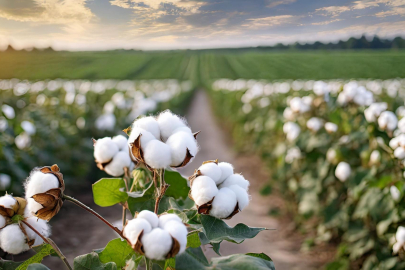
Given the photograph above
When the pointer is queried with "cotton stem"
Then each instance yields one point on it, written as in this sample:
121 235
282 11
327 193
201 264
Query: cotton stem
162 188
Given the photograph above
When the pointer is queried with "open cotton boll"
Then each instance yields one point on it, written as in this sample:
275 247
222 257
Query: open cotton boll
13 240
157 155
157 244
41 226
242 196
236 179
224 203
179 232
118 163
105 149
401 125
7 201
150 216
387 121
36 183
399 153
2 222
343 171
314 124
135 227
203 189
395 193
164 219
149 124
226 171
331 127
168 123
292 130
179 142
121 142
184 129
211 170
145 138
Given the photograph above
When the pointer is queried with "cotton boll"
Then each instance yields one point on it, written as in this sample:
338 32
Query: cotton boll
242 196
288 114
399 153
168 122
166 218
203 190
375 157
149 124
135 227
387 121
179 232
179 142
105 149
157 155
2 222
118 163
314 124
183 129
394 143
146 137
13 240
395 193
236 179
400 235
157 244
7 201
41 226
331 127
38 182
401 125
343 171
121 142
292 130
211 170
151 217
224 203
226 171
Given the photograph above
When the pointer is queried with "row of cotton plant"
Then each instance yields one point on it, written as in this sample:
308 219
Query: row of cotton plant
335 148
166 229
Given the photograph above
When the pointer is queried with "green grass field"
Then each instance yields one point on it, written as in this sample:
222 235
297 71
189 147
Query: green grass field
201 66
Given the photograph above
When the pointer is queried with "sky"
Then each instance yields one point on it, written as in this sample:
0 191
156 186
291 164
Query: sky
180 24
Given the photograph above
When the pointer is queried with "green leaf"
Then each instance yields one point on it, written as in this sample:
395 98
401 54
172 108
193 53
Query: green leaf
37 258
193 240
178 185
260 255
107 191
91 261
217 230
134 262
192 258
8 265
170 263
142 200
37 266
243 262
117 251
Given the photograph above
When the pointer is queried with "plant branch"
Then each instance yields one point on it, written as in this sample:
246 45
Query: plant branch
88 209
162 188
50 242
124 209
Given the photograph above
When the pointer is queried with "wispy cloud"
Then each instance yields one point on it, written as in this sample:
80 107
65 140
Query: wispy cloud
332 11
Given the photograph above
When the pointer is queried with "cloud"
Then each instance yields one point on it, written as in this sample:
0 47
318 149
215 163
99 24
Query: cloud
326 22
332 11
269 21
274 3
396 11
362 4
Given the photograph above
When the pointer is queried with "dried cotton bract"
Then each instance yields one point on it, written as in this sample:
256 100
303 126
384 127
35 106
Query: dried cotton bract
162 141
158 238
217 191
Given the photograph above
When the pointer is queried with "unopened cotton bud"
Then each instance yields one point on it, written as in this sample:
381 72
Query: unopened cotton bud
179 143
118 164
375 157
236 179
150 216
343 171
179 232
331 127
157 155
134 227
399 153
224 203
105 149
165 218
146 137
242 197
226 171
395 193
40 226
314 124
13 240
387 121
149 124
157 244
211 170
203 190
121 142
168 122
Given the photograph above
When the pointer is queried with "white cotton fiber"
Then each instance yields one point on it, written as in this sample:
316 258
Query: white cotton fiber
41 226
184 129
168 123
179 142
134 228
178 231
2 222
211 170
145 138
242 196
105 149
7 201
226 171
151 217
13 240
203 190
121 141
224 203
118 163
157 244
236 179
38 182
149 124
157 155
163 219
